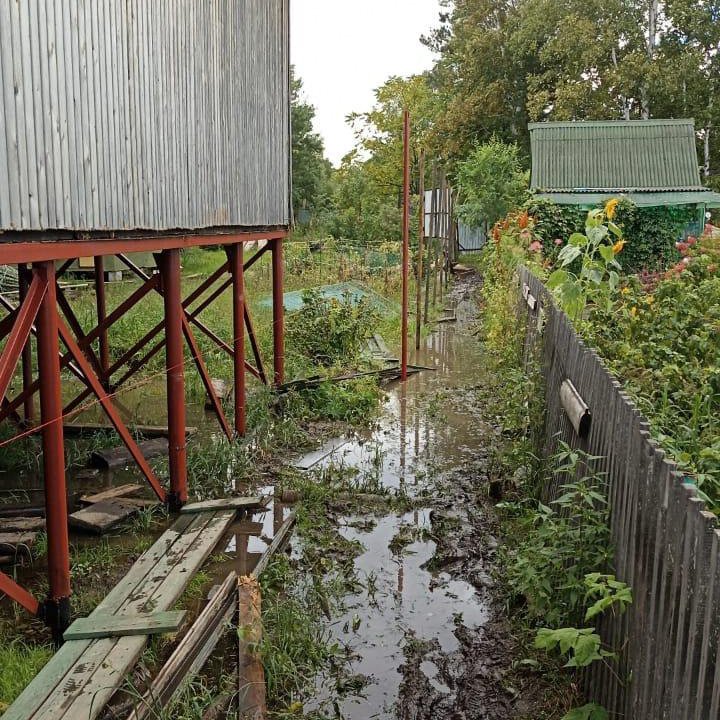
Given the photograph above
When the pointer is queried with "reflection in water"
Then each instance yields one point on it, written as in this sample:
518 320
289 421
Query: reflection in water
427 429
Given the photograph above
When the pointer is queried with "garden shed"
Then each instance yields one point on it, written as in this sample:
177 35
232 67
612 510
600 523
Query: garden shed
652 163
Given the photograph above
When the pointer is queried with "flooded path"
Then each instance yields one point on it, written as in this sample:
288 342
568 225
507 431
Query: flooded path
416 627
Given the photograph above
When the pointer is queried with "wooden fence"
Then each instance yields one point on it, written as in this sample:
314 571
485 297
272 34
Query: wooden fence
667 546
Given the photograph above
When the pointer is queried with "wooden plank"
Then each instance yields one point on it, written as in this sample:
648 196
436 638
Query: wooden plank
311 459
252 701
111 493
146 431
223 389
106 626
104 665
239 503
102 516
120 457
13 542
22 524
282 536
176 671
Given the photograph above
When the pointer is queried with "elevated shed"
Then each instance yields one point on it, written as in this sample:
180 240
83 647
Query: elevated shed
134 126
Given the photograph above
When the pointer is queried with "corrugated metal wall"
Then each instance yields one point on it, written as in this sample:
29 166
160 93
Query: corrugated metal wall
144 114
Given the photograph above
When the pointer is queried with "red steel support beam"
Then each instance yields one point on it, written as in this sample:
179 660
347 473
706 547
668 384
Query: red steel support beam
76 327
27 368
205 377
21 596
278 312
260 374
112 318
239 309
101 305
169 262
57 606
66 249
96 386
20 333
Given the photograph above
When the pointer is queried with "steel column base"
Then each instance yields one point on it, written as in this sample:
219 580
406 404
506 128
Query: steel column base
57 616
174 501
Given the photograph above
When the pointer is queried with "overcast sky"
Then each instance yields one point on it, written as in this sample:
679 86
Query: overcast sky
344 49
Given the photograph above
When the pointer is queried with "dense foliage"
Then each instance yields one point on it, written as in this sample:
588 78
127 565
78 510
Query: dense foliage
491 183
651 232
502 64
659 332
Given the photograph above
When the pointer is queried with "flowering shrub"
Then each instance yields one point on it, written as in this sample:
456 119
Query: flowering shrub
662 336
658 331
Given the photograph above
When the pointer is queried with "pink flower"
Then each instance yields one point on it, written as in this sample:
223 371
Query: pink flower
536 246
558 242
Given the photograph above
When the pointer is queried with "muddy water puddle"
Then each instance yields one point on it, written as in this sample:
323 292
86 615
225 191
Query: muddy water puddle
408 595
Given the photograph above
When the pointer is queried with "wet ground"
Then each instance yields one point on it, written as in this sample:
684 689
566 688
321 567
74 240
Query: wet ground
423 630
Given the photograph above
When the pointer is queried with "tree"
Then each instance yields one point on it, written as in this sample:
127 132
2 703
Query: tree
491 183
311 170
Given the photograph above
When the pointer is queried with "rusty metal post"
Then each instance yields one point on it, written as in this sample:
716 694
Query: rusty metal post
56 610
278 311
238 277
101 304
405 243
174 363
421 250
27 372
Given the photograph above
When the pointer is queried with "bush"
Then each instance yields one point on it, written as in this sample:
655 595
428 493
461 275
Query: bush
651 232
329 331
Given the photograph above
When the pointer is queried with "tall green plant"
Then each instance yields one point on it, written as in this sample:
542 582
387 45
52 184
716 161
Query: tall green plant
589 270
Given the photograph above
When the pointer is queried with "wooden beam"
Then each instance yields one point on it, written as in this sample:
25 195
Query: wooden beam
240 503
109 626
282 536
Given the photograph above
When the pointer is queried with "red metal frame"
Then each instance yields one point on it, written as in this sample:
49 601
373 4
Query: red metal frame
43 311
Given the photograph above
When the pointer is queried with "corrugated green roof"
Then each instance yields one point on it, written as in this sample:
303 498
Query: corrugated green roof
705 198
614 156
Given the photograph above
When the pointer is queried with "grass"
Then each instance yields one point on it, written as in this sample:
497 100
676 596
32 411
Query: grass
20 662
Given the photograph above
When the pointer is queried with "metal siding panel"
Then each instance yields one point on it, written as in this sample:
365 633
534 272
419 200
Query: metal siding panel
23 220
61 70
120 114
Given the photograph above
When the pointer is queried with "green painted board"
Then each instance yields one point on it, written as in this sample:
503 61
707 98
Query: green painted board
240 503
105 626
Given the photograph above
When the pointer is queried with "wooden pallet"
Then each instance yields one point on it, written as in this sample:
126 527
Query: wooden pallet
83 675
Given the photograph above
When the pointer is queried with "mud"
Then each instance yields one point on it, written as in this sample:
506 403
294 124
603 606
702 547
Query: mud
425 633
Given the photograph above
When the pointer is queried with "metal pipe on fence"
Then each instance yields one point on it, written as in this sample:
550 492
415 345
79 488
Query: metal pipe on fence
421 250
405 243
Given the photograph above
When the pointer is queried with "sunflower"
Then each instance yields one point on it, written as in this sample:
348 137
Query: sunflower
611 208
618 246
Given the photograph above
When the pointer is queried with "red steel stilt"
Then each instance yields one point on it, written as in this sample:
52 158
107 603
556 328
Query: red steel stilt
405 242
57 608
238 277
27 371
278 312
170 271
101 305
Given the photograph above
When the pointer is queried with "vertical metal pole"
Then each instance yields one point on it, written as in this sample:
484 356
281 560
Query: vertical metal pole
430 244
238 276
57 606
101 303
405 242
27 373
278 311
174 361
421 250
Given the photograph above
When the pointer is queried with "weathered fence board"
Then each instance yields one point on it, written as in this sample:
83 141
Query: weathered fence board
666 545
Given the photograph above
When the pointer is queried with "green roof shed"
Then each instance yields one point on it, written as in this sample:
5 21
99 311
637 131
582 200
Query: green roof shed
650 162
